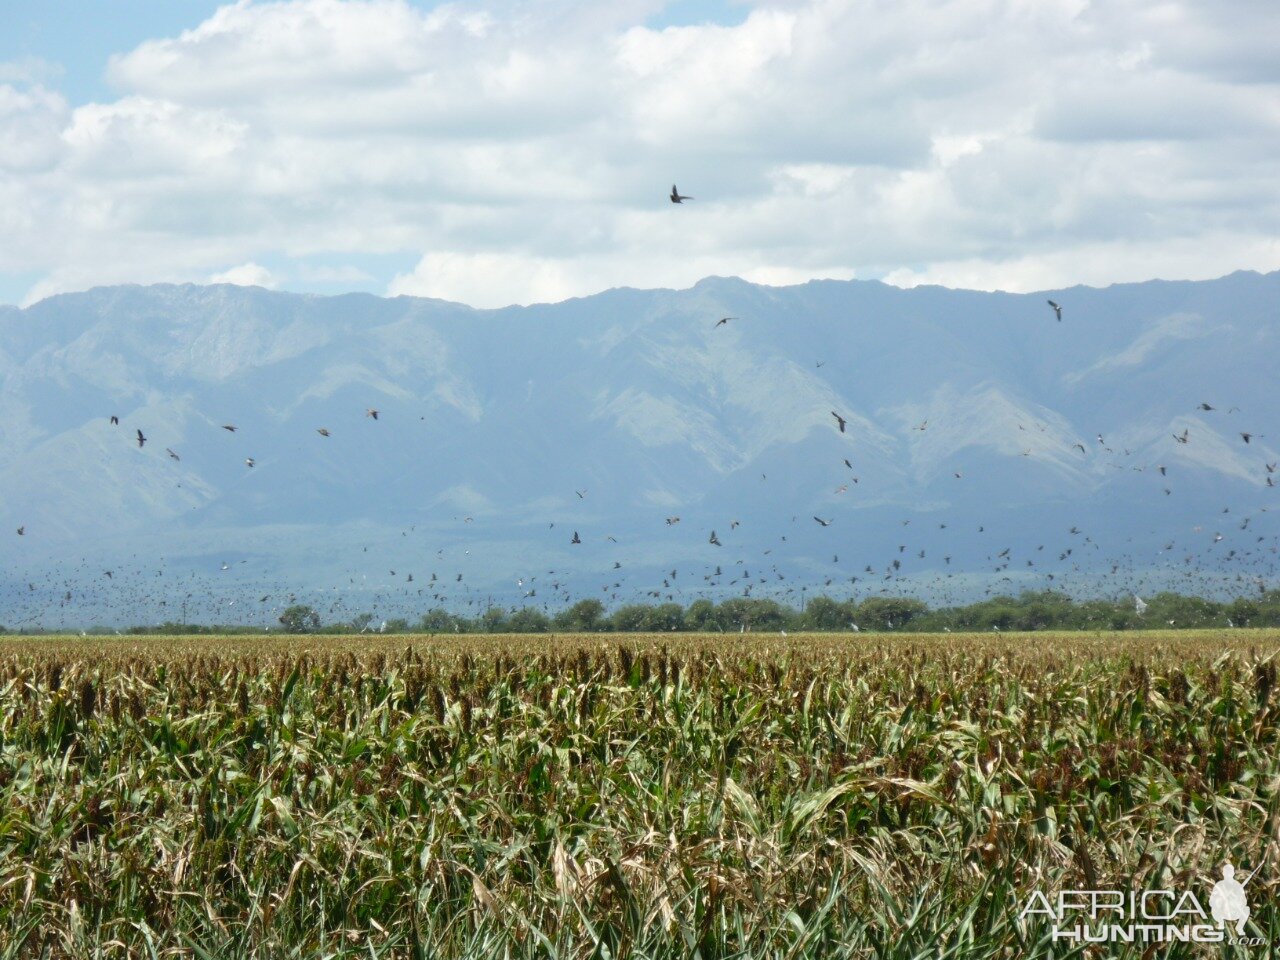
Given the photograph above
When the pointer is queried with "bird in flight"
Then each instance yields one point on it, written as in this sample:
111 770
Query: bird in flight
1057 310
249 462
576 538
115 421
672 521
22 531
714 541
1183 437
676 197
371 413
723 320
823 523
229 427
1246 437
172 455
322 431
1205 406
582 494
141 440
841 421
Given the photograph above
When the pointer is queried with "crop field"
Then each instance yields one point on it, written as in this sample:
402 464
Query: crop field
580 795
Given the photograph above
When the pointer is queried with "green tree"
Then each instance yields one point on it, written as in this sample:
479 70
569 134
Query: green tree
440 620
888 613
493 620
749 613
702 616
300 618
665 617
585 616
630 618
823 613
529 620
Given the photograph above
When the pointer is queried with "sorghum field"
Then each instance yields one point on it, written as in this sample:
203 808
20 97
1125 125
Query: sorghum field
639 796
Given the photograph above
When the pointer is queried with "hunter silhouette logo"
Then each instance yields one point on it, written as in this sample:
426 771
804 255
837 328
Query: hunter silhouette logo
1227 901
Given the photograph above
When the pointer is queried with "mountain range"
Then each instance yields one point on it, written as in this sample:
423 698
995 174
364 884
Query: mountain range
976 423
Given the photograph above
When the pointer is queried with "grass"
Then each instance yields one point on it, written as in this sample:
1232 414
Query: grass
647 796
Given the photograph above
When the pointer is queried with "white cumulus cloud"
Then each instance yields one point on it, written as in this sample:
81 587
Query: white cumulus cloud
521 152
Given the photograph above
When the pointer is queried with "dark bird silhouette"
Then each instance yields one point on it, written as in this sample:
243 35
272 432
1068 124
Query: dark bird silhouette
172 455
115 421
714 540
841 421
1246 437
676 196
1183 437
723 320
249 462
141 440
576 538
371 413
229 427
1057 310
22 531
1205 406
821 522
322 431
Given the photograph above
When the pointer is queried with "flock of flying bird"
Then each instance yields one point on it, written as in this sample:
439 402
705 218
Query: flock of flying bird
771 580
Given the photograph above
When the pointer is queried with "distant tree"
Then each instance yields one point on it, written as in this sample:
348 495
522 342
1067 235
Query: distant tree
397 625
440 620
888 613
749 613
529 620
702 616
360 621
585 616
300 619
493 620
631 618
823 613
665 617
1242 612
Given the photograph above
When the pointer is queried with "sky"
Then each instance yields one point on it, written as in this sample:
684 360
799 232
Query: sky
515 152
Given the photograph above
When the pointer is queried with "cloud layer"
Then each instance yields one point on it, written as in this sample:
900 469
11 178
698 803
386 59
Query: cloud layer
522 152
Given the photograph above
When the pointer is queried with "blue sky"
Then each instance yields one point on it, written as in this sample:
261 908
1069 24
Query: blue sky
508 151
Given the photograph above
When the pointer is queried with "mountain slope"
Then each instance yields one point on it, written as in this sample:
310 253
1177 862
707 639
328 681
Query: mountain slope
491 422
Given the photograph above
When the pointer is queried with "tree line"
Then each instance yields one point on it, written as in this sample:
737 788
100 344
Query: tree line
1033 610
